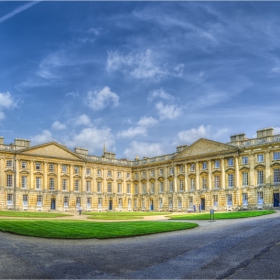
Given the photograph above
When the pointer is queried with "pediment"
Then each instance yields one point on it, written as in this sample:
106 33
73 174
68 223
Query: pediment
53 150
205 146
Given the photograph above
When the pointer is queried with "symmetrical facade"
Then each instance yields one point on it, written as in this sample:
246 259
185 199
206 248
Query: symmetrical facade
242 174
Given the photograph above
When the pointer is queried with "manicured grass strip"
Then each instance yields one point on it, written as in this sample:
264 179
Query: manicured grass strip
122 215
223 215
83 229
13 213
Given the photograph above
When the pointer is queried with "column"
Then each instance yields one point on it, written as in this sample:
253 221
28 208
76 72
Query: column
32 174
71 182
209 175
175 178
252 175
17 173
58 177
186 177
223 179
197 175
83 181
237 180
45 174
268 179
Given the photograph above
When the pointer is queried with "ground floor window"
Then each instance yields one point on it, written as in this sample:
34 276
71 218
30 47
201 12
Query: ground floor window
9 199
143 203
215 199
99 202
160 203
179 202
88 202
39 200
120 203
245 199
260 197
135 203
170 203
229 199
190 201
129 203
78 201
65 201
25 200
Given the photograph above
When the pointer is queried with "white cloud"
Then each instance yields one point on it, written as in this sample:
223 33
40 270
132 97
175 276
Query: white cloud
44 137
140 129
58 125
143 149
132 131
147 121
82 120
193 134
168 111
145 65
18 10
98 100
95 31
92 139
159 93
6 101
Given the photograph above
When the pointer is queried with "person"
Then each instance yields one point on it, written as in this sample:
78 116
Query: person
80 210
194 208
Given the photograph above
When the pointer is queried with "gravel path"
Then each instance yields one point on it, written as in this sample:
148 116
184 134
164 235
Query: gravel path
243 248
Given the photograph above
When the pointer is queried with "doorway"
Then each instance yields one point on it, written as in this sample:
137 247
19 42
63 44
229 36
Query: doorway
53 203
202 203
276 199
110 204
152 205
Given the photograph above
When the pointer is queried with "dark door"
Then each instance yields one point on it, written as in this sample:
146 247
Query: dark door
110 205
202 204
152 205
53 203
276 199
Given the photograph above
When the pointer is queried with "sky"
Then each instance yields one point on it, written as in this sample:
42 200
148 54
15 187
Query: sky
146 76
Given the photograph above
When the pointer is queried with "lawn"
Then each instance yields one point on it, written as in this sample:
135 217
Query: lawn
24 214
223 215
121 215
70 229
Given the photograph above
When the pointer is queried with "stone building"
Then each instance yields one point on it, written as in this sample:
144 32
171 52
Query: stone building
241 174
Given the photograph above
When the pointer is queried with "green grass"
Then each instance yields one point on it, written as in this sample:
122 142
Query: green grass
121 215
13 213
70 229
223 215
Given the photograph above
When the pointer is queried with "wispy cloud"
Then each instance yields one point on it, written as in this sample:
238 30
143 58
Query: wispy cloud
159 93
18 10
143 65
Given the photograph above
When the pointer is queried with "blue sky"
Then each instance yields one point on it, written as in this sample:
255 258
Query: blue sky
147 76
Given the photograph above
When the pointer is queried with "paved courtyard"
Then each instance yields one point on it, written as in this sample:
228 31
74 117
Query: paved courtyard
233 249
